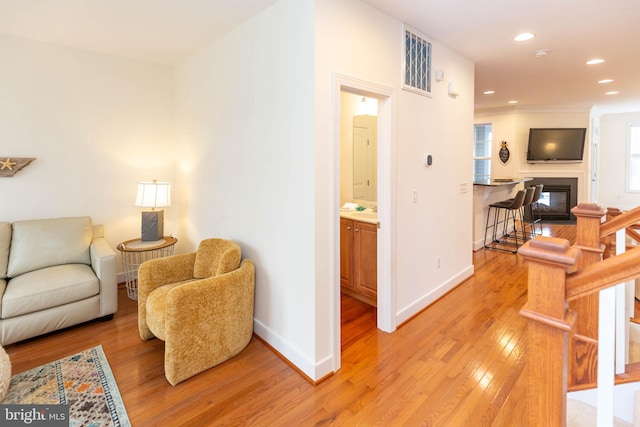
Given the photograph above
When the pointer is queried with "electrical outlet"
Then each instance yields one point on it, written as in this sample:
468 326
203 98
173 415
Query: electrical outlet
438 262
414 196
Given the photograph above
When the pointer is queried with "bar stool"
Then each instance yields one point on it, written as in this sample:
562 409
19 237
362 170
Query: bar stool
522 213
526 206
510 210
534 209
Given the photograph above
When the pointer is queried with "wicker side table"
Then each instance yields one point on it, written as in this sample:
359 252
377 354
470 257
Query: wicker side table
135 252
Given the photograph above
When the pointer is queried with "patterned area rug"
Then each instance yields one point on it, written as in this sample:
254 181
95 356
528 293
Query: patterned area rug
83 381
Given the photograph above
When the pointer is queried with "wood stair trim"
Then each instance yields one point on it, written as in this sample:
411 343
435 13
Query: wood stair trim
602 275
618 222
631 375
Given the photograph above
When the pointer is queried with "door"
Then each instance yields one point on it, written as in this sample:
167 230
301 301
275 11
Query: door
595 157
365 149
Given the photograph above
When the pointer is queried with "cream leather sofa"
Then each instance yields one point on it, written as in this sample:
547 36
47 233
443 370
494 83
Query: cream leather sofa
54 273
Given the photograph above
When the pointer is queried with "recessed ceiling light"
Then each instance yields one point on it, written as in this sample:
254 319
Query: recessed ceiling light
605 81
613 92
595 61
513 102
523 37
489 92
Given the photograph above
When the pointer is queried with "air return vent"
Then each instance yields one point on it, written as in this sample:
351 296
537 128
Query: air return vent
417 62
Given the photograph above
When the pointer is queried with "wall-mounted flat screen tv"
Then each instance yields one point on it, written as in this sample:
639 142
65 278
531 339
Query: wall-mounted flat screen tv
564 145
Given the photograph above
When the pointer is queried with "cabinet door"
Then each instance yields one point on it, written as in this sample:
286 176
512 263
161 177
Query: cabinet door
346 253
365 258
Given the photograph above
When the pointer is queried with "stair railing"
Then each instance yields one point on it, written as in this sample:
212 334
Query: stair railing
561 279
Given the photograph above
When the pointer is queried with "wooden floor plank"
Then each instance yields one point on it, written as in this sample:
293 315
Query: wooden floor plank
458 363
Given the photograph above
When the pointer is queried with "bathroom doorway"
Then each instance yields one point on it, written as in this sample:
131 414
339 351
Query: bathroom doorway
358 187
384 98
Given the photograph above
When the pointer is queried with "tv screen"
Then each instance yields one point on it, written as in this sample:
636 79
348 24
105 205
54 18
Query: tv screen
556 145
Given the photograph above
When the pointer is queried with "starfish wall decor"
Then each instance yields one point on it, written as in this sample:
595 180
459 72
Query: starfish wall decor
9 166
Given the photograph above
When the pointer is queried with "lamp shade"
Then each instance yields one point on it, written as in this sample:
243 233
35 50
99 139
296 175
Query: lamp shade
153 195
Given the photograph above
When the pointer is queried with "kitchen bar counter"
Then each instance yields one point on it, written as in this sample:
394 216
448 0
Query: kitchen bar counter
497 182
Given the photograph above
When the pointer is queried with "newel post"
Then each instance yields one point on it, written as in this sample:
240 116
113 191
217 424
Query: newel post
550 325
589 217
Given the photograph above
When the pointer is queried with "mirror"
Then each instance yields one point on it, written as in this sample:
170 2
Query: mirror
365 150
358 148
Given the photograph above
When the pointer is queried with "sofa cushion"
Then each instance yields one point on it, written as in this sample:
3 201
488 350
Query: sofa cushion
5 243
48 287
44 243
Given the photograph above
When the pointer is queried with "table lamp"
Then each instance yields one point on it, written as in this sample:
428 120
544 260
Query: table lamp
153 195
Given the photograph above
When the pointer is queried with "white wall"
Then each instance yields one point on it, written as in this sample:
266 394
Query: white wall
513 127
251 156
355 40
613 164
96 125
245 107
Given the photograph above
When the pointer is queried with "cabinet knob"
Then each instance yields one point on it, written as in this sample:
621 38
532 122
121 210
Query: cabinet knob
357 229
348 227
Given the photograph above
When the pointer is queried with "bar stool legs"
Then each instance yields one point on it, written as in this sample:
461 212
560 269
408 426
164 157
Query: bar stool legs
525 224
534 210
509 240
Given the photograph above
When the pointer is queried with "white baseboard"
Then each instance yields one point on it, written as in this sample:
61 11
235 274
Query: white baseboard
293 354
429 298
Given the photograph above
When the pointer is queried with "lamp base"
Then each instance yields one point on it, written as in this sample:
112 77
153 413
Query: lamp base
152 225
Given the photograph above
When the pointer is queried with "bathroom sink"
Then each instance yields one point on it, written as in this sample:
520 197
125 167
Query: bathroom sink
365 214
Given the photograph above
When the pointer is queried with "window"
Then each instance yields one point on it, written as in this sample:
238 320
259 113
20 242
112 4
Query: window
633 156
481 152
417 63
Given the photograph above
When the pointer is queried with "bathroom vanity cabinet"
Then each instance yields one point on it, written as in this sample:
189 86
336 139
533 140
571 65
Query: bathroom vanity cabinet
358 260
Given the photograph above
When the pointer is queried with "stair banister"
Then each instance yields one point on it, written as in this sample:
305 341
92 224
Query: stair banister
550 325
603 275
580 273
620 221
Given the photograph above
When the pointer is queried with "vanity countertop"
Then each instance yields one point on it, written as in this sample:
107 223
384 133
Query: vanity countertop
367 215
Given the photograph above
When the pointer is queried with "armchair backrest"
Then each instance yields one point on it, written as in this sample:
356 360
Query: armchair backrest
215 257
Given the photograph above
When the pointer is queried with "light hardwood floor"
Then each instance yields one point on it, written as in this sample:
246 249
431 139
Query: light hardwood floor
458 363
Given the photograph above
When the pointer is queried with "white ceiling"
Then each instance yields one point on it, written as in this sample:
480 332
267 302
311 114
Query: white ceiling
573 31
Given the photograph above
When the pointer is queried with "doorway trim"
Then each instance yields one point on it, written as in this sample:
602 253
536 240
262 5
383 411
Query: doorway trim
386 170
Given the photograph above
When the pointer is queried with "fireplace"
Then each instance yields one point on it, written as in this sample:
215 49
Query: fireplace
559 196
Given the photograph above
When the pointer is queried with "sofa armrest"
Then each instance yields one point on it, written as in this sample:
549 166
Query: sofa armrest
103 263
211 319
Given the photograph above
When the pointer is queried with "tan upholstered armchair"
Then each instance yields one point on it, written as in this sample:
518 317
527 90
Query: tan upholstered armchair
200 304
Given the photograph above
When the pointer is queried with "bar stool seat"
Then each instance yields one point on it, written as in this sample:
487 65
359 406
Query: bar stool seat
505 213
